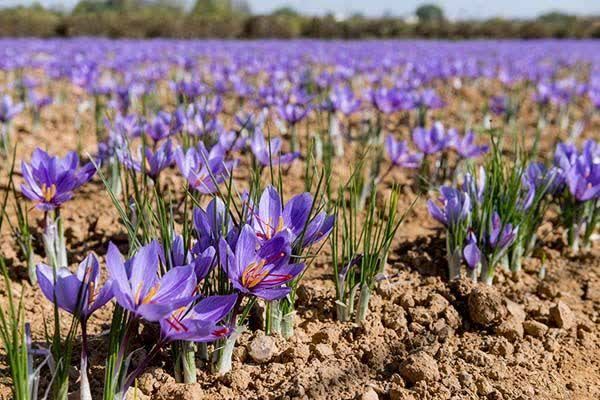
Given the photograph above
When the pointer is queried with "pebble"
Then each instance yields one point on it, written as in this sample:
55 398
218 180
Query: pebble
535 328
562 316
262 349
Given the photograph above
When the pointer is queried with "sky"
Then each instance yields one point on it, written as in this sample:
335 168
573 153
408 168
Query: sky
453 8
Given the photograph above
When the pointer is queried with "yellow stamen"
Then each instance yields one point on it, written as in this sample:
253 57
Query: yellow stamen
48 192
149 296
253 274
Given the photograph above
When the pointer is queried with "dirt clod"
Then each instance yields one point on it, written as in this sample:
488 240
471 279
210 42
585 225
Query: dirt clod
486 307
420 367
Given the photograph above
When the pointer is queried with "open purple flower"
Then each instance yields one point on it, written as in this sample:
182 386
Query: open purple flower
465 146
50 181
456 206
268 153
431 141
79 294
201 323
260 268
203 170
154 161
342 99
400 155
272 217
138 288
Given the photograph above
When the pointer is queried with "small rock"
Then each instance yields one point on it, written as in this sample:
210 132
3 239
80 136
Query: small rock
261 349
512 329
535 328
420 367
562 316
323 351
369 394
238 379
515 310
486 307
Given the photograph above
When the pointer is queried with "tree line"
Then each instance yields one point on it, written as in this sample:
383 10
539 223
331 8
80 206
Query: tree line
234 19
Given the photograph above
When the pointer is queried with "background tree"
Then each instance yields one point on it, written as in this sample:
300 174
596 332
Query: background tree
429 13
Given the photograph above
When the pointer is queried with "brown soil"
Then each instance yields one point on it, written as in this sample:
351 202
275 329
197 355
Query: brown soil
424 338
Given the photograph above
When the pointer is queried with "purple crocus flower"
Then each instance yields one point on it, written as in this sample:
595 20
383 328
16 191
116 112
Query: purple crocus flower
8 109
138 288
257 268
271 218
430 141
429 99
201 323
499 104
38 101
203 170
400 155
500 235
293 113
456 206
565 155
583 178
268 153
471 252
213 224
160 126
50 181
154 161
79 294
465 146
342 99
475 187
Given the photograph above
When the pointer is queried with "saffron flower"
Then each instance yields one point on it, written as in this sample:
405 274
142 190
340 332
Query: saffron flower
431 141
456 206
399 154
583 178
270 153
154 161
465 146
500 235
138 288
8 109
272 217
260 269
203 170
79 294
50 181
201 323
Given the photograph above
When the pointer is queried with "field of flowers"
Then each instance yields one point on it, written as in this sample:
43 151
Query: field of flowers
299 219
